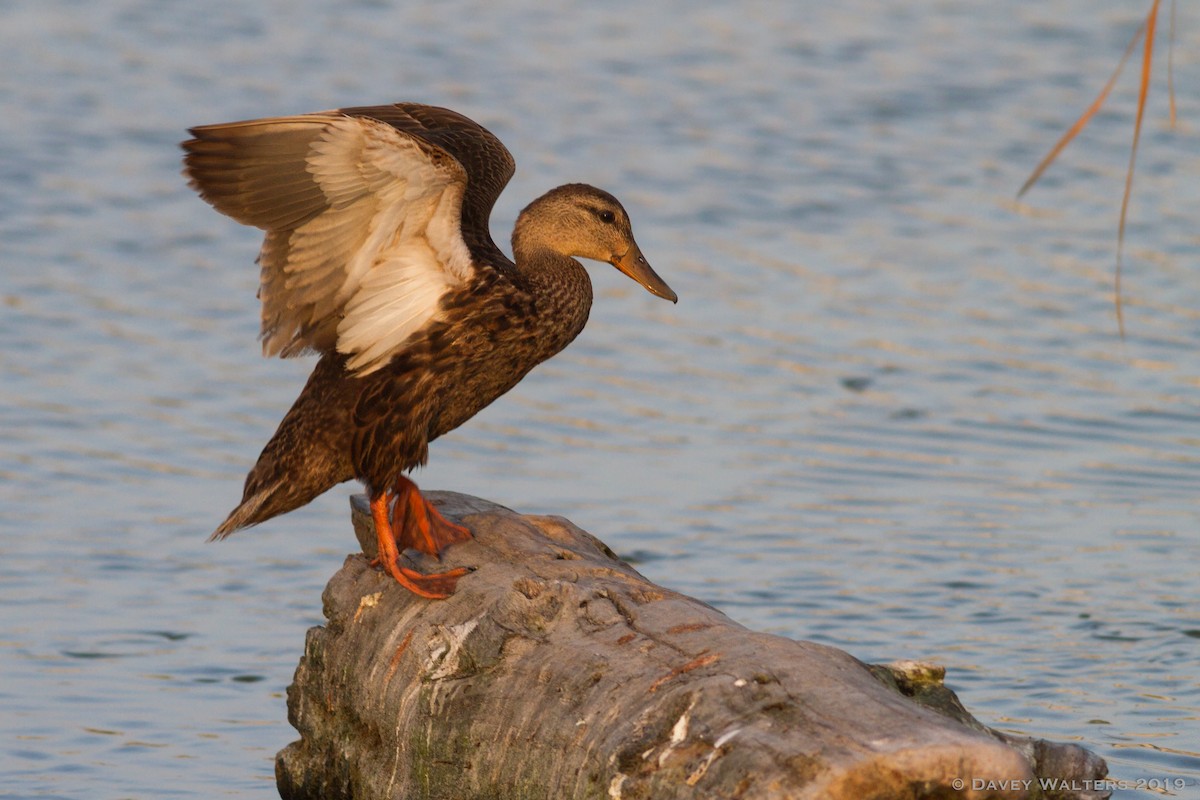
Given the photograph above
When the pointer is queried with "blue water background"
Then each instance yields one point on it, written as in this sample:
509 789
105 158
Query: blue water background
891 412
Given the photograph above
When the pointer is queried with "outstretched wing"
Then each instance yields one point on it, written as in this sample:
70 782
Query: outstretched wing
363 221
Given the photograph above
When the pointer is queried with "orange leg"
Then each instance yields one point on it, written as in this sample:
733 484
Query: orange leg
436 586
419 525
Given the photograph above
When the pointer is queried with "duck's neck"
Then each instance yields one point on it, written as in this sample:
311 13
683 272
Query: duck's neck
562 292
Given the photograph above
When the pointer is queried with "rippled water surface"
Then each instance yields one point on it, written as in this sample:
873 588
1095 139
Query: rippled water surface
891 411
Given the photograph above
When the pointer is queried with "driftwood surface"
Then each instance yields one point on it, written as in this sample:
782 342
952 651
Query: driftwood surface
557 671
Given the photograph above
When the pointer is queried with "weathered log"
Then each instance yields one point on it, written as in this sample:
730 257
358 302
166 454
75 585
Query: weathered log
557 671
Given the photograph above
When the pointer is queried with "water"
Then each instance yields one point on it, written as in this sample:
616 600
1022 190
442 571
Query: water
891 411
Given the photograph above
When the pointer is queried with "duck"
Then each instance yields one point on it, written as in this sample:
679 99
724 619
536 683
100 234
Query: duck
377 257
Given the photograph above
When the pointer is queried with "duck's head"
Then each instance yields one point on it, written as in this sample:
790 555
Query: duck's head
581 221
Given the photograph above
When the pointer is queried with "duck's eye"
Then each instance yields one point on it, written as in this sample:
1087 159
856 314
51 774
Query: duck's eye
607 216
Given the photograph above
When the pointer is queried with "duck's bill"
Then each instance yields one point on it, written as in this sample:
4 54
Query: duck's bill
634 264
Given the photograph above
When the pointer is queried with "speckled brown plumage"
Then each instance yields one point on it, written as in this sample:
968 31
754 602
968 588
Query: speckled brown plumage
494 320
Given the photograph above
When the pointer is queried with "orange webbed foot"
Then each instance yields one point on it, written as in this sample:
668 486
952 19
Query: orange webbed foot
419 525
435 586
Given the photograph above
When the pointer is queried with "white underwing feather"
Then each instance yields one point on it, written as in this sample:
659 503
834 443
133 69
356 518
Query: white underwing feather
363 229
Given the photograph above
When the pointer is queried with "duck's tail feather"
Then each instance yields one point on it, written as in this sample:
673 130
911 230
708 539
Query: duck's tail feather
249 512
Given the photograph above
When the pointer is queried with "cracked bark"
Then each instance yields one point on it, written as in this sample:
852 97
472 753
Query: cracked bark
557 671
